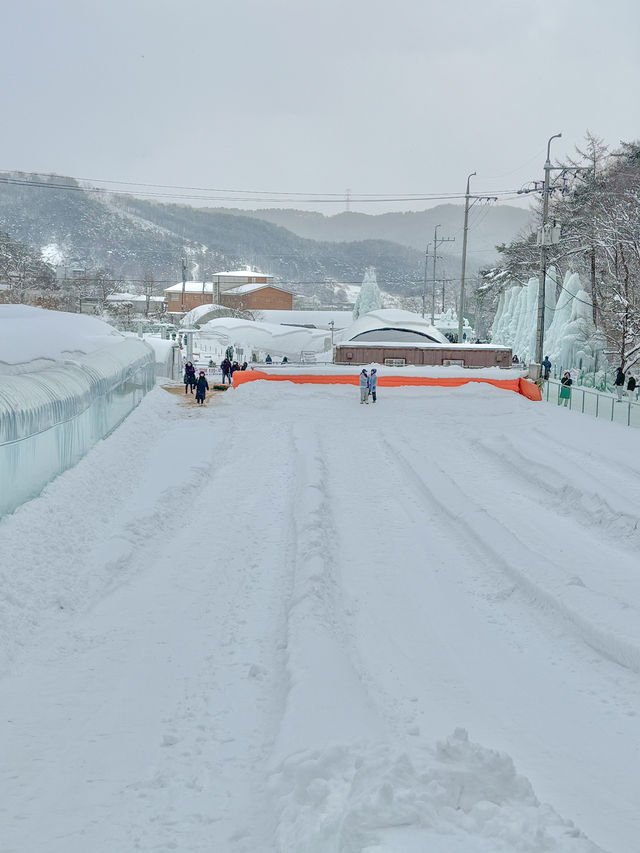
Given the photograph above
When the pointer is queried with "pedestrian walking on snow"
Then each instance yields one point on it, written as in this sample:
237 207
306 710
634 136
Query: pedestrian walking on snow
631 386
546 367
565 388
226 370
619 383
202 386
364 386
373 383
189 377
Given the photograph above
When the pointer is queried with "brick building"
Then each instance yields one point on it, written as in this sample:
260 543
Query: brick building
256 297
243 290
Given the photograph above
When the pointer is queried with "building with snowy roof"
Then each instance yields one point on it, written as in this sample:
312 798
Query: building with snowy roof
242 290
396 337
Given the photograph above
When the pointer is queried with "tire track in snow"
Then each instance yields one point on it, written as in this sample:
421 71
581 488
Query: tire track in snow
326 698
587 507
481 530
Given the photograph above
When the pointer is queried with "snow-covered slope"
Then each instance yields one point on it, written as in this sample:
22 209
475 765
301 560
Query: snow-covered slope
396 628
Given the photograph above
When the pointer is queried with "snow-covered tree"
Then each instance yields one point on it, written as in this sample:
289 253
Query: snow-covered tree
370 296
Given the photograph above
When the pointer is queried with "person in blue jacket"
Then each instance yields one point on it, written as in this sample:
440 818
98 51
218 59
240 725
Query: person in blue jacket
373 383
546 367
202 386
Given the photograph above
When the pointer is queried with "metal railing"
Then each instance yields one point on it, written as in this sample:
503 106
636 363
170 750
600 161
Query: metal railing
598 404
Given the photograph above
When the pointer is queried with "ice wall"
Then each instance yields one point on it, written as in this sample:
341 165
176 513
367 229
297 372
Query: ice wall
570 338
516 319
49 419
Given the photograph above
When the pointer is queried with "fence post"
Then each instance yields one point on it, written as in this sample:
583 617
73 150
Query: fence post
597 403
629 414
612 406
583 401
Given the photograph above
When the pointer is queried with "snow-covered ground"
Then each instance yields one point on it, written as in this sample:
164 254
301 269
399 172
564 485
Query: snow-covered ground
289 623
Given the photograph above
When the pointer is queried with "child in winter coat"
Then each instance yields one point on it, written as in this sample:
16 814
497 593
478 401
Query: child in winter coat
364 386
373 383
202 386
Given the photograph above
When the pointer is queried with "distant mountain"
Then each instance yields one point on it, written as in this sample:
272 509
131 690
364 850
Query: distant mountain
80 228
489 225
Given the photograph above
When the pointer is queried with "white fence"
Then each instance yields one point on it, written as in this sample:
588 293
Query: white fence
598 404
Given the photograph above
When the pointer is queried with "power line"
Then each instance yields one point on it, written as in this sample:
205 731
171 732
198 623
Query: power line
232 195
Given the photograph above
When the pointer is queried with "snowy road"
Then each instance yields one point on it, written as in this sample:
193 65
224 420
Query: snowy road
264 627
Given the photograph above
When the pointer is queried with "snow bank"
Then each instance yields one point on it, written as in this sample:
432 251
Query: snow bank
377 799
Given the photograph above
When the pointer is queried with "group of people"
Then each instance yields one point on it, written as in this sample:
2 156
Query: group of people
621 380
368 385
632 386
229 367
200 384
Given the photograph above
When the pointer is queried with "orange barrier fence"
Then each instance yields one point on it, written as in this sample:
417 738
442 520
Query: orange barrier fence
529 389
520 386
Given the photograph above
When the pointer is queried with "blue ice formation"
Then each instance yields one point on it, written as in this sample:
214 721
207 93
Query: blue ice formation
50 418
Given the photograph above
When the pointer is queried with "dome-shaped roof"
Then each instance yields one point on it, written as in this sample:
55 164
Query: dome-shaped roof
393 325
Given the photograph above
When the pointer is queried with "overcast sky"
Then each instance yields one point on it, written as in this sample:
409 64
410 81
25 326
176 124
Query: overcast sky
314 96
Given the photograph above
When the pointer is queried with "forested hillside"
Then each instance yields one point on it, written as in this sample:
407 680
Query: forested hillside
131 239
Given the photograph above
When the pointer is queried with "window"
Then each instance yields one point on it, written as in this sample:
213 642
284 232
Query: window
395 362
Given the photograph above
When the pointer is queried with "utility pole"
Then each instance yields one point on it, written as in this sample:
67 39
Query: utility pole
184 282
424 286
437 243
543 253
467 207
445 281
464 258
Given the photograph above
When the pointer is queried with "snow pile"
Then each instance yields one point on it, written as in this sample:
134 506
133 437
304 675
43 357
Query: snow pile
33 338
376 799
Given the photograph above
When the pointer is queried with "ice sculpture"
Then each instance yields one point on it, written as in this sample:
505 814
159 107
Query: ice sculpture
370 296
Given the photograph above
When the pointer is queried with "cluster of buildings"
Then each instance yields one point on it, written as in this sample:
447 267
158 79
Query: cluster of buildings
242 290
392 337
